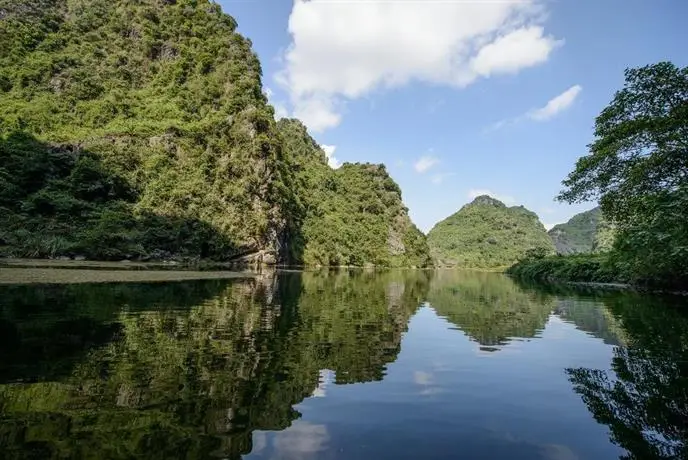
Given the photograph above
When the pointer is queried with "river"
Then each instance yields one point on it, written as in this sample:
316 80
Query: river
341 365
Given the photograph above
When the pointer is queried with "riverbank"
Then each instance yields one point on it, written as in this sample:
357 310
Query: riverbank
195 265
23 275
579 268
70 264
590 270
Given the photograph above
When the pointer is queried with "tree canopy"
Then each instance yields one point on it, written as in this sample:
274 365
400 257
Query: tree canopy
637 167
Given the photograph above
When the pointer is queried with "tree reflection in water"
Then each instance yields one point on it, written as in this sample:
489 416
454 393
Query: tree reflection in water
186 370
645 401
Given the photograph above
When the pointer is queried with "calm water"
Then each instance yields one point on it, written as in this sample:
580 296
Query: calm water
348 365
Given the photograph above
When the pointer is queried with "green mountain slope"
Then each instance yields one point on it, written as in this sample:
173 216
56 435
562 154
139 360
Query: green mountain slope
352 215
140 130
578 234
487 234
583 233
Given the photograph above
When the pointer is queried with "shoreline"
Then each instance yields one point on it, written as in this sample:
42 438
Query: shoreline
610 286
48 275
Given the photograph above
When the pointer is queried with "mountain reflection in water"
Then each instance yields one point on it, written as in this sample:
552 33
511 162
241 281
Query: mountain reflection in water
340 364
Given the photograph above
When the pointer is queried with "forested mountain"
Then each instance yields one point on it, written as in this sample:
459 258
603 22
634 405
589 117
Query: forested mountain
351 215
487 234
580 233
140 130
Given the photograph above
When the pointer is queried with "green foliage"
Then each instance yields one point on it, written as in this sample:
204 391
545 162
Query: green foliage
637 167
140 129
575 267
536 253
353 215
487 234
581 234
148 119
605 235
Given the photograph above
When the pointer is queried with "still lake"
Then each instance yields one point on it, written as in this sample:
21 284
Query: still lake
341 365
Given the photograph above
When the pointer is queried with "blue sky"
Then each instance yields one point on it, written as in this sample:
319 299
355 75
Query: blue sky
457 97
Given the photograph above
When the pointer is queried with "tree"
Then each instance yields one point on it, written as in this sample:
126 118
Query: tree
638 169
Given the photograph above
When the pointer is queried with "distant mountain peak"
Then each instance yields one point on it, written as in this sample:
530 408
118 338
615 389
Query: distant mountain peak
581 232
487 234
487 200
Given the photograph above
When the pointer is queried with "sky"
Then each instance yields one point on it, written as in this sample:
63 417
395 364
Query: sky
458 98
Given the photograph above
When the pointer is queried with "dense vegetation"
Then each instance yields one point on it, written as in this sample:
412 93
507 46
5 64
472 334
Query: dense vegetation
140 130
352 215
585 232
638 169
487 234
581 268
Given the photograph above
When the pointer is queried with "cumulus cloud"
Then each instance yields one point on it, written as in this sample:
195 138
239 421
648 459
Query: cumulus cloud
476 192
556 104
331 160
424 163
343 50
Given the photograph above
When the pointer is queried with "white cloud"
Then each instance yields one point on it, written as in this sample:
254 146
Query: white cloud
548 226
524 47
331 160
343 50
556 104
476 192
317 112
424 163
439 178
553 107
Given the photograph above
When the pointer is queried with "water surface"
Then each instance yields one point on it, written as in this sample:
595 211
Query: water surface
340 365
